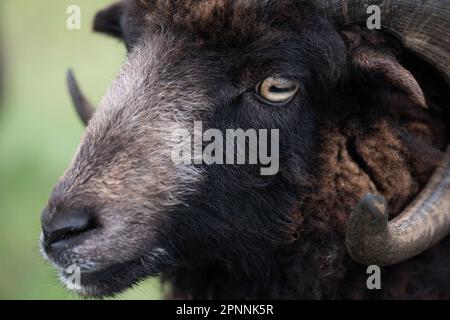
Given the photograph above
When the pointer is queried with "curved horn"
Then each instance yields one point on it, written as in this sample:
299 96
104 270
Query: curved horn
84 108
371 239
422 26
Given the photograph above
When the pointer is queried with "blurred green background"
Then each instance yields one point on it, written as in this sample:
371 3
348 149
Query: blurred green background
39 130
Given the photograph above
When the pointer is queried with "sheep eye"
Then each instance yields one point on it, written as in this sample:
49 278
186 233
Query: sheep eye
277 90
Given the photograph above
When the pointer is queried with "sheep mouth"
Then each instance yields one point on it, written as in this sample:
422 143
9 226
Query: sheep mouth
108 281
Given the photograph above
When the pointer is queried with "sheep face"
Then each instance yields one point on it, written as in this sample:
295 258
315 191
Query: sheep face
124 210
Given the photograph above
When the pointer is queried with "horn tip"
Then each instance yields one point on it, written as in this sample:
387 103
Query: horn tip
370 215
70 77
375 205
82 106
368 221
71 81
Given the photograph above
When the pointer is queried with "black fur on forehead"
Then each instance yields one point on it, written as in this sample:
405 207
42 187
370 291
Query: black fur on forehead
226 19
261 31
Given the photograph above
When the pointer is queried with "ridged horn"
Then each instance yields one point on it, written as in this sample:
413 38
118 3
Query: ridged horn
371 239
423 26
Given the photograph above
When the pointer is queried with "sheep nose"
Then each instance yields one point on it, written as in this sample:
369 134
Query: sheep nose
61 227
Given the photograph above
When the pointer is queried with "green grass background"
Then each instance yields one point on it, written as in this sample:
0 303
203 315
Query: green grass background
39 131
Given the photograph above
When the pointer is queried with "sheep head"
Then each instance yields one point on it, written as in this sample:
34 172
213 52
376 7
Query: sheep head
124 210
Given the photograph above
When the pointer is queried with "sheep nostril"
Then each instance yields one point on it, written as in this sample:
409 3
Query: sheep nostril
65 226
63 234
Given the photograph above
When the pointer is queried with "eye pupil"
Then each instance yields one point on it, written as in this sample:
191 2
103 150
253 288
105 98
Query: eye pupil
277 90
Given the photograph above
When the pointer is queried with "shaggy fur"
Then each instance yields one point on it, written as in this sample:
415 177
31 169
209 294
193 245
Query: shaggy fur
369 116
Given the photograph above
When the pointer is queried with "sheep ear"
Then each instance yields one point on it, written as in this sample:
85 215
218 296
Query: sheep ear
374 57
108 20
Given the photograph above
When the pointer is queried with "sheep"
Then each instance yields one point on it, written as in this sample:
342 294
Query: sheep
363 127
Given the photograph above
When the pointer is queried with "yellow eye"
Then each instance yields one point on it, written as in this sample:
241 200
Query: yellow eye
277 90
